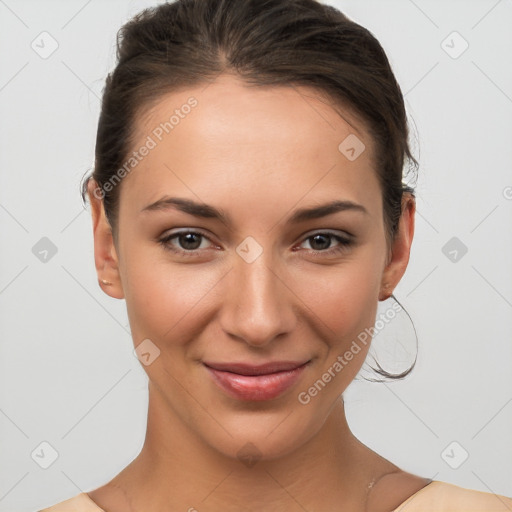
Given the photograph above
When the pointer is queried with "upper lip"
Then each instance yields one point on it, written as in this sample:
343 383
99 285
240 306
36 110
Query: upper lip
256 369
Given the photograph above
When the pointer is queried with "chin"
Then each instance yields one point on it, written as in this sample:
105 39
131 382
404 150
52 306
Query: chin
258 435
257 446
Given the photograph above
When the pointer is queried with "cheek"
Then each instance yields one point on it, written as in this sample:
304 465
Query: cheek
164 299
345 303
344 298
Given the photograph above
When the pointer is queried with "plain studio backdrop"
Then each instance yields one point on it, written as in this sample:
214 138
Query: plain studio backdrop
73 396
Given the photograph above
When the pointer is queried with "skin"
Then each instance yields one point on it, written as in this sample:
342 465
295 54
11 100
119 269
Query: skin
258 154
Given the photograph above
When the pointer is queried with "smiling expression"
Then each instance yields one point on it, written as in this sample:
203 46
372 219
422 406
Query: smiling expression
247 237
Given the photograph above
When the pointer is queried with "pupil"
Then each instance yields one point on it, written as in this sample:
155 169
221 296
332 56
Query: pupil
188 239
326 239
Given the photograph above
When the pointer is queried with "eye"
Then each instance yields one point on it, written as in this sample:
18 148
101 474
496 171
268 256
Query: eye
189 242
321 242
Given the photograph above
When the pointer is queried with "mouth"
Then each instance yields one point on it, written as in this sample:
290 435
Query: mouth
256 382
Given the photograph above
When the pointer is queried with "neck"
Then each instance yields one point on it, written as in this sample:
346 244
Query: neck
176 467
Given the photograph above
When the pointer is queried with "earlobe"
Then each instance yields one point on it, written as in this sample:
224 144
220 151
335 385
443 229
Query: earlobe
400 250
105 253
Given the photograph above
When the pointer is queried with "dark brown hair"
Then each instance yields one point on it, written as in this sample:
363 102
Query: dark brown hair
263 42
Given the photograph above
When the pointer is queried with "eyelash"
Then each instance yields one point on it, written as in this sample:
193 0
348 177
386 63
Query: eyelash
344 243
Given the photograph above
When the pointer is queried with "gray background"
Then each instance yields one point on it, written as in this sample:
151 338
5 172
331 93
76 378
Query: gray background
67 372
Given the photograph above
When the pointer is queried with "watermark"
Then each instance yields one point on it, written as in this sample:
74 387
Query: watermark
44 454
454 45
249 455
44 250
454 249
454 455
249 250
304 397
150 143
146 352
352 146
44 45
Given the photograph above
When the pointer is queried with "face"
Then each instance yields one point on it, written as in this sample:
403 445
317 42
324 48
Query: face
250 280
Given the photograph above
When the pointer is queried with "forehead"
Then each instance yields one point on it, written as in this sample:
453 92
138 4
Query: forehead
272 141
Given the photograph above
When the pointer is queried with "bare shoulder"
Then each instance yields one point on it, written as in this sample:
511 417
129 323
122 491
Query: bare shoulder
110 497
78 503
115 495
446 497
393 488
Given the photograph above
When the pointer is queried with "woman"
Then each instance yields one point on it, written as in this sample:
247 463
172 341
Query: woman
248 328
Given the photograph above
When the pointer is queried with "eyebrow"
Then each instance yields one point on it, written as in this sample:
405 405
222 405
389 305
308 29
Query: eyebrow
210 212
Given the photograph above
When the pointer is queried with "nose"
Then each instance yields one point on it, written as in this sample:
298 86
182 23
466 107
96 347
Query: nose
258 305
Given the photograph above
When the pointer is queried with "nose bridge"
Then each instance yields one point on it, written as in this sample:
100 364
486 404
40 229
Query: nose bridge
257 308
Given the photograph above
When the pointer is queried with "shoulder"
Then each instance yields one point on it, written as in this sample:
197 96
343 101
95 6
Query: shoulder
444 497
79 503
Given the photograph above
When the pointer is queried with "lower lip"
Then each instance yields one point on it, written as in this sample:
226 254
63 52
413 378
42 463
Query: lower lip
256 387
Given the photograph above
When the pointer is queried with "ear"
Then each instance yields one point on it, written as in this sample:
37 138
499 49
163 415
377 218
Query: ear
400 249
105 254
